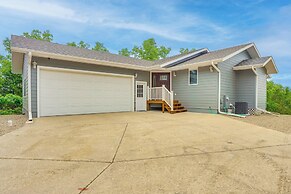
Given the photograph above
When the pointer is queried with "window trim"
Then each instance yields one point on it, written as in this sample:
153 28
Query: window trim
189 70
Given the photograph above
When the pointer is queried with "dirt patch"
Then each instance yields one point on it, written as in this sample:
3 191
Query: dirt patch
17 122
281 123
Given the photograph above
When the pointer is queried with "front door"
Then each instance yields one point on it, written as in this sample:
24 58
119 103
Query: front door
159 79
141 96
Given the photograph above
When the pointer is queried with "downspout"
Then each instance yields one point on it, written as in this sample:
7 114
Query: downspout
218 96
257 90
29 85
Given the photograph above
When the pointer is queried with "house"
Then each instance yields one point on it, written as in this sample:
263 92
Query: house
65 80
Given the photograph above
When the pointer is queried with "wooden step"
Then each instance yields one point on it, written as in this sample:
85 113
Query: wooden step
178 107
178 111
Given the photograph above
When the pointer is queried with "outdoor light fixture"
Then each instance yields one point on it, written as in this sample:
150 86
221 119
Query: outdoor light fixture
135 75
174 74
210 68
34 63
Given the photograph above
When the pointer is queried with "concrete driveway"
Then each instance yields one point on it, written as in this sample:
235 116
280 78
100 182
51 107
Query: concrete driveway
148 152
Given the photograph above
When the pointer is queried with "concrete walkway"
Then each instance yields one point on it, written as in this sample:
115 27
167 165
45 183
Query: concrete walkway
148 152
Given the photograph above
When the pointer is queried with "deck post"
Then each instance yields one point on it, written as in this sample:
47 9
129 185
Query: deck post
172 100
163 92
149 92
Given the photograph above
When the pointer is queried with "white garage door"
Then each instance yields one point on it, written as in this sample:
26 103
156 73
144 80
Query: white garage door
67 92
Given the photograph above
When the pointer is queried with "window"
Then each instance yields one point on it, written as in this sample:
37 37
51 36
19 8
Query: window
139 91
193 77
163 77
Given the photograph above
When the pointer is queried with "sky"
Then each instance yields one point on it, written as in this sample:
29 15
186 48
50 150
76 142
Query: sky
212 24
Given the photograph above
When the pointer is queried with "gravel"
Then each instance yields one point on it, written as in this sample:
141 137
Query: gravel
17 122
280 123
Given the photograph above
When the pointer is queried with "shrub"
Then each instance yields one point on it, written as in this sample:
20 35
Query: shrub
10 104
278 98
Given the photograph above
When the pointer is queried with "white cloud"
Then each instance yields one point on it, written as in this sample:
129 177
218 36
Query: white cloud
169 24
42 8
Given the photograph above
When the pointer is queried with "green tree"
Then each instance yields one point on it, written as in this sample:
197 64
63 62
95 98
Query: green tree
39 35
12 83
9 83
6 44
278 98
149 50
124 52
186 50
81 44
100 47
34 34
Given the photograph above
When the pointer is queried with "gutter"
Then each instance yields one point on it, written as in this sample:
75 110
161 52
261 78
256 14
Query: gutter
218 95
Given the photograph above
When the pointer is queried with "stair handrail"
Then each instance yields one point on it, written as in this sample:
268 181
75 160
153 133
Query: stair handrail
170 102
163 93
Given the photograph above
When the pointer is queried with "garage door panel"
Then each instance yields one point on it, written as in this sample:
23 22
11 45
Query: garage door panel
65 92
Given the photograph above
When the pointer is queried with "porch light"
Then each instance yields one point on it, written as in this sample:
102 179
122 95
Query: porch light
135 75
210 68
174 74
34 63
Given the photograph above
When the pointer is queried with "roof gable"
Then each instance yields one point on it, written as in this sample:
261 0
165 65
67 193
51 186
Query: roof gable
266 62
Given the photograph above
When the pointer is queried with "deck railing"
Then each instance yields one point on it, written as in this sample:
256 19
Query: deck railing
162 93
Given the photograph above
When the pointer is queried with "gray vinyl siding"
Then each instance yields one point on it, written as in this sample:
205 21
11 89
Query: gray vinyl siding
200 97
228 76
262 88
25 84
246 87
141 75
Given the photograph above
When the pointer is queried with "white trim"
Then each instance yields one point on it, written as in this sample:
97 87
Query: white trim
37 85
133 88
245 67
79 59
29 85
274 64
171 80
189 76
195 65
79 71
184 56
84 71
145 92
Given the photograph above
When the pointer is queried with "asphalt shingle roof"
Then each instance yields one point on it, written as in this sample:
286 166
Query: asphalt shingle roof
44 46
213 55
256 61
55 48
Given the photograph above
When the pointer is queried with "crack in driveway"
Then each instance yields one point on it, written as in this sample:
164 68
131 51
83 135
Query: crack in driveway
143 159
